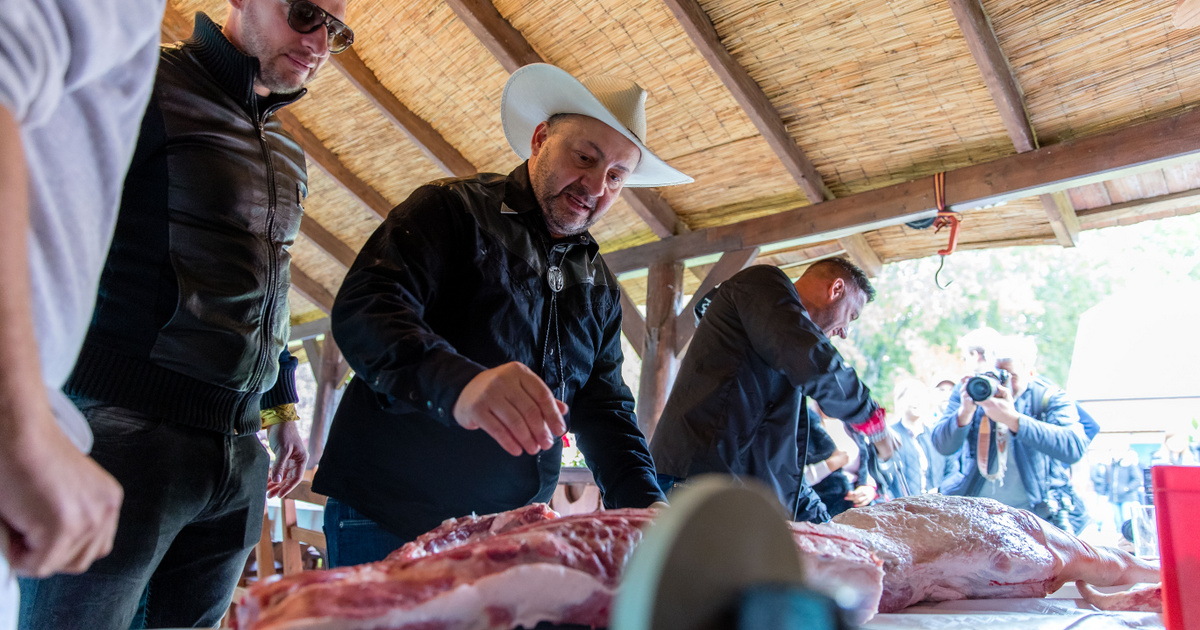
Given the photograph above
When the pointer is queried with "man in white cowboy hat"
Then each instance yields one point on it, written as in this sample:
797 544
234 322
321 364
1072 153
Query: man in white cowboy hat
482 324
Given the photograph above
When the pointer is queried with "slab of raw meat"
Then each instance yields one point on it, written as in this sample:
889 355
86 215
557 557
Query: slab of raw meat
563 570
938 548
456 532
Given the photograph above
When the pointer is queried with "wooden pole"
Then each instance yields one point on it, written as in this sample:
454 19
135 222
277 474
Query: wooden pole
330 374
659 363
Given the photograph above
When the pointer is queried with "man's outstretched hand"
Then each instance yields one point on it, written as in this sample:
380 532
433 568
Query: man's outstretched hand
514 406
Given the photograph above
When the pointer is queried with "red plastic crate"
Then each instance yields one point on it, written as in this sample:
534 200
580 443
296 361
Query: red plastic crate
1177 509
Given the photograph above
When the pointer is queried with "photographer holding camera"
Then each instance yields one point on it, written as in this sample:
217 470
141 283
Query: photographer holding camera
1022 433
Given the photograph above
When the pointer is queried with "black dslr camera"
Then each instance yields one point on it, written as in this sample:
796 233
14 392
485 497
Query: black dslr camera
983 386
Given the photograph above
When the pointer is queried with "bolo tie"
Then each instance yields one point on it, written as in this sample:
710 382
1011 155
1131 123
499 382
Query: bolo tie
555 279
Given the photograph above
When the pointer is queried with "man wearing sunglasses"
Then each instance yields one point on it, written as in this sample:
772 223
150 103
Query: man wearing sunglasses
186 355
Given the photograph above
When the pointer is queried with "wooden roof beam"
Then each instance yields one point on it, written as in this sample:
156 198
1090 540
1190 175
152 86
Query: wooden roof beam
1137 207
312 290
1148 145
862 254
327 242
758 107
512 50
327 161
750 96
420 132
1010 102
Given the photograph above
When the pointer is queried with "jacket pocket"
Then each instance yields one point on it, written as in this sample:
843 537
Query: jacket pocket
115 423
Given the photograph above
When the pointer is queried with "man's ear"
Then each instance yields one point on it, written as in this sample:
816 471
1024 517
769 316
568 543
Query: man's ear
837 289
540 135
238 4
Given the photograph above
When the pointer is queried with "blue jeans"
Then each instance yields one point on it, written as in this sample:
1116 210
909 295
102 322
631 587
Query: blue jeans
351 538
668 484
192 512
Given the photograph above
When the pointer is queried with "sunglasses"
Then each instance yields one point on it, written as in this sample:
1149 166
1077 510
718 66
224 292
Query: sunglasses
306 17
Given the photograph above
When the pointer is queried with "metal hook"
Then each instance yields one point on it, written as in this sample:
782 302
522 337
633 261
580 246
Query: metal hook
938 272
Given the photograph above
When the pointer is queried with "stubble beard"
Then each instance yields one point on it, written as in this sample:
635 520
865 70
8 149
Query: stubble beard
269 74
559 217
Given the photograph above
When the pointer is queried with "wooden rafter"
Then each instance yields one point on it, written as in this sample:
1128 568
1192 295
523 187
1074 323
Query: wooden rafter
312 290
729 264
1006 93
497 35
1113 212
327 161
327 242
420 132
512 50
1154 144
750 96
758 107
862 254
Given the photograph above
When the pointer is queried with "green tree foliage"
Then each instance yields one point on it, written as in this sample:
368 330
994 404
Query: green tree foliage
912 327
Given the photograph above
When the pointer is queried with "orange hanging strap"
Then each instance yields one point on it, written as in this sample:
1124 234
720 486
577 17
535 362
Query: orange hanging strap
945 217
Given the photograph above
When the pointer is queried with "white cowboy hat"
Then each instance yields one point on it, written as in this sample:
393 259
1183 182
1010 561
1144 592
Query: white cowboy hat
538 91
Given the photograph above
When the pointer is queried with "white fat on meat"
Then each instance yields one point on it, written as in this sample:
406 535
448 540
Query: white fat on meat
561 570
840 564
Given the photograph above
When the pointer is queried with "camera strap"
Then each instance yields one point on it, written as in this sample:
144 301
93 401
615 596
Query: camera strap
991 451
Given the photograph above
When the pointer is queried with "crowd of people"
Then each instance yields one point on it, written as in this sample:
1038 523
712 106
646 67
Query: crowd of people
153 201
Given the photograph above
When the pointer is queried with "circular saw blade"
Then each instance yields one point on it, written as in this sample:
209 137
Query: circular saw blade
718 538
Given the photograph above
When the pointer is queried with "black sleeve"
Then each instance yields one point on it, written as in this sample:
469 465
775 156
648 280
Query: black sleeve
284 390
602 419
783 335
378 315
809 506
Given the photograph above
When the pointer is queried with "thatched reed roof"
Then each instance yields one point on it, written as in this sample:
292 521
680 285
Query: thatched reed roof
854 96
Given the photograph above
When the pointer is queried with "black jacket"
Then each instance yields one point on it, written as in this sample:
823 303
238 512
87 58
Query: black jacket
455 282
191 321
738 405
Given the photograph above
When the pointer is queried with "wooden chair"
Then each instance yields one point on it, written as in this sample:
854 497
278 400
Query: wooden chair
293 534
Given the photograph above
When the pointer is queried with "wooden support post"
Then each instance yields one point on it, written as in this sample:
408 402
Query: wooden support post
659 363
1063 219
632 323
330 374
264 551
293 562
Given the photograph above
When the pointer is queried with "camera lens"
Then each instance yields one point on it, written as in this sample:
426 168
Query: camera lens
980 388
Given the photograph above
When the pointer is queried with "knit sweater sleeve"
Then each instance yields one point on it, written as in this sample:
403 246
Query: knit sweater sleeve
48 48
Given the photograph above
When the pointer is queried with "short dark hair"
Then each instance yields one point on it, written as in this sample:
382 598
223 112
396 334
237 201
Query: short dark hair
846 270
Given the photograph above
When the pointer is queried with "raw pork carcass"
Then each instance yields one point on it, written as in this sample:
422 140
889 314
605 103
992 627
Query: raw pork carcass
524 566
562 570
938 548
456 532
